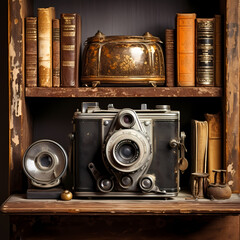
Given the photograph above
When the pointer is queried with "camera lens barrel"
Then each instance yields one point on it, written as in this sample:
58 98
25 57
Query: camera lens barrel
45 161
127 150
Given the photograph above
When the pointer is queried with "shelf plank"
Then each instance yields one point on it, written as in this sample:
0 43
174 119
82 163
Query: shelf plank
103 92
19 205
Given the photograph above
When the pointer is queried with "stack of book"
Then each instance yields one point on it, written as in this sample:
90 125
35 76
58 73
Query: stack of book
52 49
206 145
197 58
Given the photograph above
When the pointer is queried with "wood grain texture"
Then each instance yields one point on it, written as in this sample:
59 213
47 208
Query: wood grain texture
125 227
125 92
18 204
18 117
232 95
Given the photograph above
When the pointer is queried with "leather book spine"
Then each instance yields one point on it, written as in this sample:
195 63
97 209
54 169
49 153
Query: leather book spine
186 49
31 51
56 53
218 51
199 146
205 51
70 49
170 58
45 16
215 143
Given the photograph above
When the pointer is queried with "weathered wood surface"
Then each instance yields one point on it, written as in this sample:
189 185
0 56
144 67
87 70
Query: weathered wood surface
125 227
125 92
20 123
18 117
232 118
18 204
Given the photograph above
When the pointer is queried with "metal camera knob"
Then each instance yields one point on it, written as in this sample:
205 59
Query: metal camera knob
126 181
147 183
105 185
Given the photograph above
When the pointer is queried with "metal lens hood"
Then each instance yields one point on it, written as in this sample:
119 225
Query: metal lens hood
45 162
133 137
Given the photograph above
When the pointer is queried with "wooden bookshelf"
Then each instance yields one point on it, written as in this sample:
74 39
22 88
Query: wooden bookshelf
152 92
27 109
183 204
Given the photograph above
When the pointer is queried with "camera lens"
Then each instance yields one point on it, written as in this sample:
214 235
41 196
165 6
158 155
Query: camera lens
127 151
128 119
45 161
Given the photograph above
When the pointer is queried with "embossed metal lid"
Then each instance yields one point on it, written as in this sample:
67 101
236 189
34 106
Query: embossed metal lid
100 37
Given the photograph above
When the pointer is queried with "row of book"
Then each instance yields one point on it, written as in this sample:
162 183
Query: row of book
193 51
207 145
48 38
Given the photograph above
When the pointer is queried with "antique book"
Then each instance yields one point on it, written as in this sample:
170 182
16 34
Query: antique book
170 56
199 146
205 51
31 51
45 16
56 53
186 49
214 143
70 49
218 51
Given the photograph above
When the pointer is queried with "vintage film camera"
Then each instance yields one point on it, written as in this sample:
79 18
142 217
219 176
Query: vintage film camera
126 152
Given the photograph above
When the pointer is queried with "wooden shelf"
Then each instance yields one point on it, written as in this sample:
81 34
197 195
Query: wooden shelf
103 92
19 205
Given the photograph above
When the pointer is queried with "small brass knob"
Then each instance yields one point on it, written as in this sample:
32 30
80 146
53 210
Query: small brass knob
66 195
147 34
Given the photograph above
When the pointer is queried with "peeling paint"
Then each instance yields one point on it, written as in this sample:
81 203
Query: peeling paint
230 183
230 169
16 105
16 140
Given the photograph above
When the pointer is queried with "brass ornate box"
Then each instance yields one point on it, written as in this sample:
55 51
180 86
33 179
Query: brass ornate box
131 60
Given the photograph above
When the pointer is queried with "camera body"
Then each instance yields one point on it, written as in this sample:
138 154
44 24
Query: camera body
126 152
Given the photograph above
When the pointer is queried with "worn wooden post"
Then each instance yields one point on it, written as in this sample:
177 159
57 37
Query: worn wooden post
19 121
232 95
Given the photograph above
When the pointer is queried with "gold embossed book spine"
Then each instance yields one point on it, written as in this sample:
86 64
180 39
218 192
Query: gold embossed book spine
205 51
31 52
56 53
45 17
70 49
170 57
218 50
